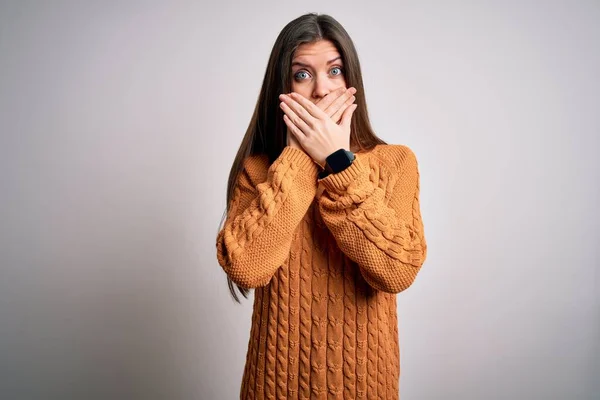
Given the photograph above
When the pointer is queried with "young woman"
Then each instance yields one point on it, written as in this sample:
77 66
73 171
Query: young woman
323 221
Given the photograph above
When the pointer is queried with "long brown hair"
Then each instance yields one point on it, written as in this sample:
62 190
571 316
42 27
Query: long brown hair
266 132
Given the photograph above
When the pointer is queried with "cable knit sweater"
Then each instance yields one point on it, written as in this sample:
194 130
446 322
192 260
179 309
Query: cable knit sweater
326 258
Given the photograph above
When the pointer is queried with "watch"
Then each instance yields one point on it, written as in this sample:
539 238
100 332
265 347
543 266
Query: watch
337 161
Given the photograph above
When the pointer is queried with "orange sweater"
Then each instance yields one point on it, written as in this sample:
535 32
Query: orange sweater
326 258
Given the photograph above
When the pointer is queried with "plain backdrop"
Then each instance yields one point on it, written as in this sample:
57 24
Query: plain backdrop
119 122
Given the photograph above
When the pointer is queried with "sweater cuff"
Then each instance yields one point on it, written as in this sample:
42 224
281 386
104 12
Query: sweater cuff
300 158
340 181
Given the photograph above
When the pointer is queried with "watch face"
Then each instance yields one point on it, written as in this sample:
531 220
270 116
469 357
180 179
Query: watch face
340 160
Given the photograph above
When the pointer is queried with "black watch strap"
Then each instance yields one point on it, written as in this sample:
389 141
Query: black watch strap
323 174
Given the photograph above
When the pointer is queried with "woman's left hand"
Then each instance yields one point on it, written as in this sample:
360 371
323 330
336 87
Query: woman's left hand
316 132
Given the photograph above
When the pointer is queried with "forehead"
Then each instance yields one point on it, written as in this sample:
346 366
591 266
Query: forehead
317 52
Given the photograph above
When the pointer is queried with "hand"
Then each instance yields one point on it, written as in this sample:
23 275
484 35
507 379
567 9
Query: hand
313 128
292 141
336 102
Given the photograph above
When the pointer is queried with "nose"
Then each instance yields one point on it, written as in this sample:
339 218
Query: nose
323 86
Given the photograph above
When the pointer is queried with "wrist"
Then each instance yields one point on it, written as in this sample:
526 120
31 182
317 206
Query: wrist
339 160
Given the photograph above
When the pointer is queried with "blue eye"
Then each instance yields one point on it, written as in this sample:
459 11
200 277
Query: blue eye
298 73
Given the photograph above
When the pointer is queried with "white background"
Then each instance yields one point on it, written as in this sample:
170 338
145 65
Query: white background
119 122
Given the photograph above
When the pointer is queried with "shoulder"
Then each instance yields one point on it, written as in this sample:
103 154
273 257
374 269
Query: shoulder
396 156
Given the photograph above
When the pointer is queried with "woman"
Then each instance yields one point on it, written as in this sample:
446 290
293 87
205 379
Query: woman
326 242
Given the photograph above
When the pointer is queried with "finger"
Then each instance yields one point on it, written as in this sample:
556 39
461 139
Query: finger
300 113
347 116
298 134
326 101
340 101
295 119
312 111
337 115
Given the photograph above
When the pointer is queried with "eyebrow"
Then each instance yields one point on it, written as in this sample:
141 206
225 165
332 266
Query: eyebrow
308 66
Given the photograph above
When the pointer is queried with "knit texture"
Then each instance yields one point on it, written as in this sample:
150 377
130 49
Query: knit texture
326 258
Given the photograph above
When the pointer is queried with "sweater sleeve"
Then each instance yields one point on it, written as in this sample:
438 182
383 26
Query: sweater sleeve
257 234
373 212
